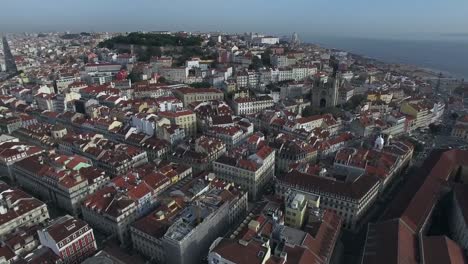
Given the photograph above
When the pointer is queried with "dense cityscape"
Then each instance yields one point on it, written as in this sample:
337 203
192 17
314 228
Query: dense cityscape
190 147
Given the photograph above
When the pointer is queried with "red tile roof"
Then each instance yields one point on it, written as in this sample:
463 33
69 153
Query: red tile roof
412 207
441 249
156 225
461 196
21 203
189 90
264 152
390 242
429 193
64 227
355 190
304 120
237 253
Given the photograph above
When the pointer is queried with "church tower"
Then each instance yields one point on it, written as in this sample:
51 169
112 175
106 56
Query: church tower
325 91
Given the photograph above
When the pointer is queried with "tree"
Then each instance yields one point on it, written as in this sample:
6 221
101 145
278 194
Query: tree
309 111
256 63
162 79
148 53
71 59
355 101
271 87
211 43
188 53
133 77
266 57
331 110
435 129
418 147
150 39
200 85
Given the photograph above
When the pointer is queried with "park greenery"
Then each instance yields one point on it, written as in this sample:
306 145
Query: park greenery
200 85
190 46
150 39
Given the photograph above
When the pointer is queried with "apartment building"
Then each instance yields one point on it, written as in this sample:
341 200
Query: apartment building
251 105
290 150
295 210
147 123
190 95
160 62
128 197
212 113
232 135
10 124
185 119
112 157
173 134
182 229
175 74
421 111
151 90
102 67
60 179
383 161
460 129
213 147
279 61
252 173
12 152
264 238
350 199
309 123
69 238
18 209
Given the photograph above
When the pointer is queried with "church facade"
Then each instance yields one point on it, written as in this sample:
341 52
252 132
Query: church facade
325 92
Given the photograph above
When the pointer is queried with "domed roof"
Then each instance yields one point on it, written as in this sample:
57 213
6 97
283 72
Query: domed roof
379 142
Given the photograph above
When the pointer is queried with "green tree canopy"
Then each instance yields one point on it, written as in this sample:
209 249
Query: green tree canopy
200 85
151 39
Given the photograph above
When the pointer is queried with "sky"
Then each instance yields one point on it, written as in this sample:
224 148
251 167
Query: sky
358 18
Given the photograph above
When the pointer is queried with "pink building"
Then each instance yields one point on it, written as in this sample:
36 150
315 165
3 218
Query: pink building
69 238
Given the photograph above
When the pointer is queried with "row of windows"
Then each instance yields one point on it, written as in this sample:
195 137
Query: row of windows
84 240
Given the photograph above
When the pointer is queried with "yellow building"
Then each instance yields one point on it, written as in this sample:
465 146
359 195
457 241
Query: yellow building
460 129
23 78
296 207
189 95
421 111
185 119
372 97
231 87
385 97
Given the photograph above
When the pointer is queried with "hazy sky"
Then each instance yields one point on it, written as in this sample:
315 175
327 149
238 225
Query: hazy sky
331 17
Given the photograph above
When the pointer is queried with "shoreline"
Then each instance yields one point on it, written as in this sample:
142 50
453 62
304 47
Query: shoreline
431 72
